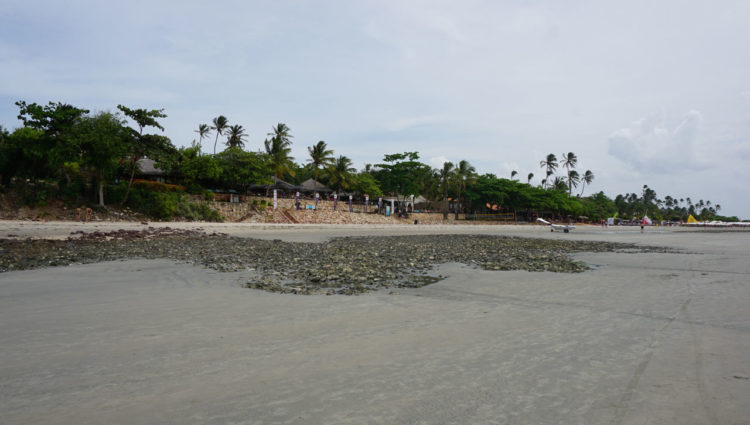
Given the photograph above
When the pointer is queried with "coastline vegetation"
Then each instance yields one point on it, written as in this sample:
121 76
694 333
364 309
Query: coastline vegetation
67 153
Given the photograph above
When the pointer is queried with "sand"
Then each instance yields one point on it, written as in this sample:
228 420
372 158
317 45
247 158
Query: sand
641 338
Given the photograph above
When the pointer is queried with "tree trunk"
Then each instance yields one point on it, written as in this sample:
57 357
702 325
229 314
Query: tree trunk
130 183
101 192
458 202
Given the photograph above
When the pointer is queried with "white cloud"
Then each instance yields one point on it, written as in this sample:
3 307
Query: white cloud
437 161
648 144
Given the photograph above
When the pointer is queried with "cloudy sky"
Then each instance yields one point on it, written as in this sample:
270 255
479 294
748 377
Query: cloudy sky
644 92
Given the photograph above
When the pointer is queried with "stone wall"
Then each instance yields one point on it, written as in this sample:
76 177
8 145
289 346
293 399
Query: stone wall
286 212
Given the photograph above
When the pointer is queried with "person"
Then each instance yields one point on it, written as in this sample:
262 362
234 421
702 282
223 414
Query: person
643 223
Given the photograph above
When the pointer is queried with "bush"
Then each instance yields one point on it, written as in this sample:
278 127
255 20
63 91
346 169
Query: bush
163 205
194 189
157 186
255 202
208 195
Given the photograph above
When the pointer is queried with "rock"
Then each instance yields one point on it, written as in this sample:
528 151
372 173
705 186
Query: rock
350 265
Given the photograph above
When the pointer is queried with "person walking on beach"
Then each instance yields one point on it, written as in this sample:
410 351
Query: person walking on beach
643 223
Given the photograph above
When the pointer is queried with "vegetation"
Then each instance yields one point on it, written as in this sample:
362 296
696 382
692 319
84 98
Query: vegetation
68 153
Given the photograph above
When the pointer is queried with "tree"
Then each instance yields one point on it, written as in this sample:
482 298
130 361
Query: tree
240 169
573 180
220 124
559 183
513 174
339 174
141 144
103 141
278 147
587 178
464 174
529 177
401 174
56 144
569 162
550 164
236 137
598 206
445 180
320 156
365 184
203 130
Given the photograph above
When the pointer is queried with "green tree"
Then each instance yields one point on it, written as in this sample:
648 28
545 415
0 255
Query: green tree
586 179
445 181
320 156
365 184
220 124
400 174
103 139
278 148
340 174
598 206
57 146
141 145
570 161
240 169
529 177
463 174
572 180
196 169
560 183
236 137
203 131
550 164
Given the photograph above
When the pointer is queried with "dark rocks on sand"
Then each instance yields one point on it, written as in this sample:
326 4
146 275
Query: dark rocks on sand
348 265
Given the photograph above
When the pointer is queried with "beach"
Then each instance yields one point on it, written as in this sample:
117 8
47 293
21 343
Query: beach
641 337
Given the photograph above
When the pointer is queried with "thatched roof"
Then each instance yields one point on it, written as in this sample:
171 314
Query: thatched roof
312 185
276 184
146 168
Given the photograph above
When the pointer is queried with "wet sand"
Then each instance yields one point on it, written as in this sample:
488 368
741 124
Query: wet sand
641 338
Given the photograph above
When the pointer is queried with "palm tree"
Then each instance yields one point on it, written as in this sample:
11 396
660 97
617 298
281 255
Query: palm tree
550 163
340 173
529 177
573 180
569 162
463 173
513 174
220 124
559 183
319 156
236 136
278 148
445 176
281 131
203 130
587 178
